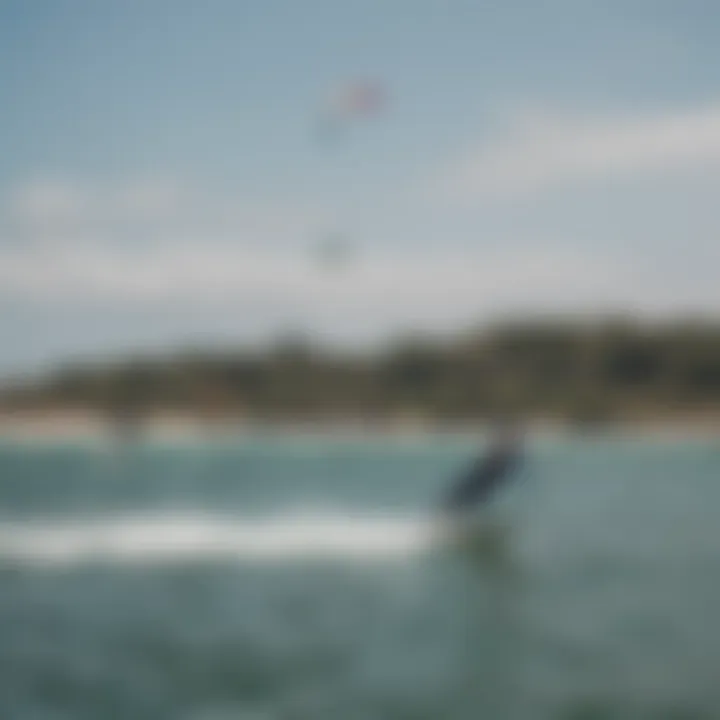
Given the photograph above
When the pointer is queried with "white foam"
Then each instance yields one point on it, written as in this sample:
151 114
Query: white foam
169 537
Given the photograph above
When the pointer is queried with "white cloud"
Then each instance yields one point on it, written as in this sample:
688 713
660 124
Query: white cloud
540 151
146 211
151 198
243 292
381 283
48 202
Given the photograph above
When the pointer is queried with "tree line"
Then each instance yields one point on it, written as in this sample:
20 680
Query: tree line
584 371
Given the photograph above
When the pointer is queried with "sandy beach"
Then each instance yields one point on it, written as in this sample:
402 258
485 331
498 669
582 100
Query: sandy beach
79 424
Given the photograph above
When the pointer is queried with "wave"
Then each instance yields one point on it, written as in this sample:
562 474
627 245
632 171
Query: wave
168 537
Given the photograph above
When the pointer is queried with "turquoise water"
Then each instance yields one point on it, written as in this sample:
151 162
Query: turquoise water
297 578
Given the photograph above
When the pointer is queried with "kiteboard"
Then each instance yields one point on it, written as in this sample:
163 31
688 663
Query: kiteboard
476 530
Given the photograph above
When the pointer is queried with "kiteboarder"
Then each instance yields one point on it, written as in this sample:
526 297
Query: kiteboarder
479 484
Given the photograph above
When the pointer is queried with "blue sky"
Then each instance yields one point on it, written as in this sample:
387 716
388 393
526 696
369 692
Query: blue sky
161 182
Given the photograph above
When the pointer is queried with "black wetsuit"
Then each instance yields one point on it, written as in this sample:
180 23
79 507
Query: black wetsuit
484 477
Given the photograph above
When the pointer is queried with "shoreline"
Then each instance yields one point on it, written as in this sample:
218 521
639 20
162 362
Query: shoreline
71 425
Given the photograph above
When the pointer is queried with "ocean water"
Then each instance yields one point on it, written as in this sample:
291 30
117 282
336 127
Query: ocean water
287 577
